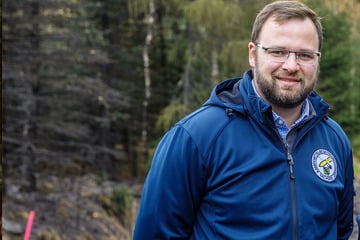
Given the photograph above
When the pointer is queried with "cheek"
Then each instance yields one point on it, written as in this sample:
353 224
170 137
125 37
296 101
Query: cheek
312 74
266 67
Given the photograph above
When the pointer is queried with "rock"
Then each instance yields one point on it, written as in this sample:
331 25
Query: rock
12 227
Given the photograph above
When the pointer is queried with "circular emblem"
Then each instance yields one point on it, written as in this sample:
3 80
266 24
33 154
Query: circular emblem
324 165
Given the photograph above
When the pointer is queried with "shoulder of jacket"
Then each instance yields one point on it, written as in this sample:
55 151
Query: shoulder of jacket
206 118
336 130
206 123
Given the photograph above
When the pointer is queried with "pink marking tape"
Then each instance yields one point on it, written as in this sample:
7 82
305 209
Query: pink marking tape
29 225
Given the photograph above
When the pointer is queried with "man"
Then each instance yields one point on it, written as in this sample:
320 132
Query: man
261 159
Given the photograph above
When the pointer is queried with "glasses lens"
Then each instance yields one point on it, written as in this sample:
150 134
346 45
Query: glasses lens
281 55
306 58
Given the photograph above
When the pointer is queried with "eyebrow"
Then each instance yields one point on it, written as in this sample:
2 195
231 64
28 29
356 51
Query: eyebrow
285 48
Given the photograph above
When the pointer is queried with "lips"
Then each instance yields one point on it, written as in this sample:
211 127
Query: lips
289 81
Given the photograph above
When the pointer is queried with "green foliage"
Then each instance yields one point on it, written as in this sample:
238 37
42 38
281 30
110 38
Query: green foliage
209 33
356 153
170 115
216 24
233 58
121 200
336 81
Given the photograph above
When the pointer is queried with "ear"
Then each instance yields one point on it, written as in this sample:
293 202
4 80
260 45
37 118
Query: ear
252 53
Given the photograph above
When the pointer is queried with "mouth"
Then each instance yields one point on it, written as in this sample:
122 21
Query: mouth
288 81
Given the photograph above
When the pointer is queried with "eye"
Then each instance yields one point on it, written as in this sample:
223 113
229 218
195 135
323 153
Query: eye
278 52
305 56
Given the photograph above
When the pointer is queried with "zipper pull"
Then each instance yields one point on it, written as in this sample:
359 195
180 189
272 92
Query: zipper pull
291 164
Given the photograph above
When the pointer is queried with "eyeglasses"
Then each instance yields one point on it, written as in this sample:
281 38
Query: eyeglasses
281 55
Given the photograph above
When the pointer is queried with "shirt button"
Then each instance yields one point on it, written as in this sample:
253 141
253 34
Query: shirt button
280 122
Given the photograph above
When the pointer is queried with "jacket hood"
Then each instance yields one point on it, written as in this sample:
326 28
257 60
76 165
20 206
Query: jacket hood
238 95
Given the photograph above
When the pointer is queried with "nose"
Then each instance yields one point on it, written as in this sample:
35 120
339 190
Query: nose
291 63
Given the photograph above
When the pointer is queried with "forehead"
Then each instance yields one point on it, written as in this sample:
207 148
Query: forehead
293 33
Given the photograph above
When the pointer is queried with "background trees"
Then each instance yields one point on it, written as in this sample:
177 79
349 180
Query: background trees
96 83
93 78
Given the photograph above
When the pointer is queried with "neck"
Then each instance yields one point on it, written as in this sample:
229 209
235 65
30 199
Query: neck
290 115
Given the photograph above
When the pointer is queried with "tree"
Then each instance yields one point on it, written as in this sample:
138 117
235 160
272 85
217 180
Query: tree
20 87
216 49
60 104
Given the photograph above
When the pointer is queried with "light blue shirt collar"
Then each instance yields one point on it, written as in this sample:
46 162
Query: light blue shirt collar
280 122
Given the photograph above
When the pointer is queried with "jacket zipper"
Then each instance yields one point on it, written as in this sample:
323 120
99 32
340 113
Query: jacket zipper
292 186
293 195
292 182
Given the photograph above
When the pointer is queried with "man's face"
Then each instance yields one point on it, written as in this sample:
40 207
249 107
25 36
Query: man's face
286 84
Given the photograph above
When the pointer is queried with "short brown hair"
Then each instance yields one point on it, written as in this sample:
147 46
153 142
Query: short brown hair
285 10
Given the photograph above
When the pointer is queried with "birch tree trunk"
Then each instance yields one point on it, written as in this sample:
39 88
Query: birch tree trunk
149 19
214 67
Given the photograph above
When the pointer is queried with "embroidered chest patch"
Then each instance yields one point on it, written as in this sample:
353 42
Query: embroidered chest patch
324 165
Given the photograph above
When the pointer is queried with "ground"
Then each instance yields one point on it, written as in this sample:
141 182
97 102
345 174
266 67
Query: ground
82 212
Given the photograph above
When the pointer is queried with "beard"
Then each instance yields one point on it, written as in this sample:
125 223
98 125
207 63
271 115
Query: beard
283 97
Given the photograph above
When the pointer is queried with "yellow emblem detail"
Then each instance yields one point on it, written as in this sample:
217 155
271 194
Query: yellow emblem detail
325 162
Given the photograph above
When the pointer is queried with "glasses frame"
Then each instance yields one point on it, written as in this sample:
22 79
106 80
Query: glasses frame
288 54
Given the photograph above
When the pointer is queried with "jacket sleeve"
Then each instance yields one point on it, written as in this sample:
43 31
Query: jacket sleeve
173 189
345 214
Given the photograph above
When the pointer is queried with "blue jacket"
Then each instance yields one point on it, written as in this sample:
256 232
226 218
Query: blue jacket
223 172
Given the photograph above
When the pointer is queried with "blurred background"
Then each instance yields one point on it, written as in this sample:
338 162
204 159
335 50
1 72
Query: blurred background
90 86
